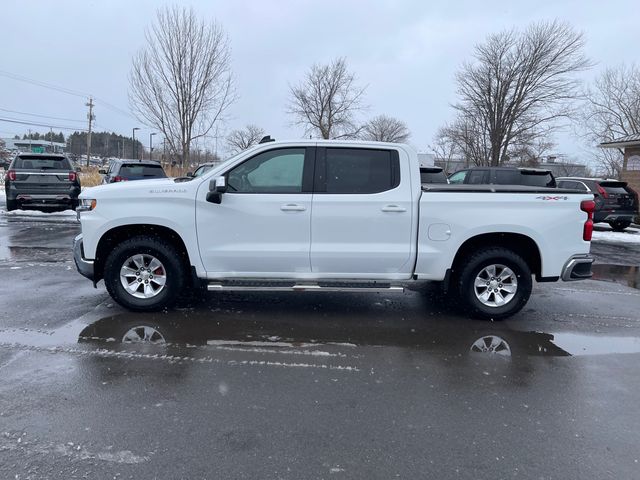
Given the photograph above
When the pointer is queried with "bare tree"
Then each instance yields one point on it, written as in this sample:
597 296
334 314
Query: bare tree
241 139
445 149
385 129
181 82
326 101
467 137
519 85
612 110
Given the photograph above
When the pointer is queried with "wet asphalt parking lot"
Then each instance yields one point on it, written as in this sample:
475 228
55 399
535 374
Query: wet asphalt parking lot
298 386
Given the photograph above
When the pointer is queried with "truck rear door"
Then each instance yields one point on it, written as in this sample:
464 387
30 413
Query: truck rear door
361 221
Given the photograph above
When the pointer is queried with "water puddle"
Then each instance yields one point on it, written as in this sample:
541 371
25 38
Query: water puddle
275 336
623 274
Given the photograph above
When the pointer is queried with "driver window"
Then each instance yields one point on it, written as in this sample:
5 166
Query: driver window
275 171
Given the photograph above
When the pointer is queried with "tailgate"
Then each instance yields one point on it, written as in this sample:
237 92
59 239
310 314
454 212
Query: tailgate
41 182
617 196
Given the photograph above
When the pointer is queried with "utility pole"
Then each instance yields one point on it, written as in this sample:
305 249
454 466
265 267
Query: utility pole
133 146
90 117
151 145
51 138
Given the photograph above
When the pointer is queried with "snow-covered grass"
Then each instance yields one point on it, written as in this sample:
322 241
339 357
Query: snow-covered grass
628 236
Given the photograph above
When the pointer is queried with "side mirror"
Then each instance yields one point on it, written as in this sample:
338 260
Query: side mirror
217 187
189 174
102 171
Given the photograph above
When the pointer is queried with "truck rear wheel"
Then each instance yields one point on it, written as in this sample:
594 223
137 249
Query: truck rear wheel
144 273
494 283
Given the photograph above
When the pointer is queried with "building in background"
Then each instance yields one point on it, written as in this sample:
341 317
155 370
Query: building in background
34 146
630 146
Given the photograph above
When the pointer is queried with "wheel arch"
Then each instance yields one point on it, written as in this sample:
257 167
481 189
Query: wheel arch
117 234
520 244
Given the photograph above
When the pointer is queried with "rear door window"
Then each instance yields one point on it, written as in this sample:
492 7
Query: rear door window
507 177
32 162
359 170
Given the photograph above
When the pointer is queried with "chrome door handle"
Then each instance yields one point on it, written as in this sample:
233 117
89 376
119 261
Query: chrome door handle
393 208
293 207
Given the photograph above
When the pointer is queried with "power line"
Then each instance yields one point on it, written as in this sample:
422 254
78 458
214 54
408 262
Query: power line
68 91
39 83
41 116
33 124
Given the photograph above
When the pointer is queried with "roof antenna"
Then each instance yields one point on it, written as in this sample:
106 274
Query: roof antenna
267 139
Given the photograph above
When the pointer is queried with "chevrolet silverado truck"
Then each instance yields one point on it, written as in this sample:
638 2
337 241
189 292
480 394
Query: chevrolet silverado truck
344 216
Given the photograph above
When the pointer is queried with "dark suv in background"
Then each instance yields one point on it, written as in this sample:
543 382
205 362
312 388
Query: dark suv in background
616 202
122 170
37 180
533 177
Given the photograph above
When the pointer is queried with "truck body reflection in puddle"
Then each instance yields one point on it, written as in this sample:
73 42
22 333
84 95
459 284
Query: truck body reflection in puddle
450 337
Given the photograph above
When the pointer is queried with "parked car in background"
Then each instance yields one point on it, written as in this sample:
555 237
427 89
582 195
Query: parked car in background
533 177
202 169
121 170
616 202
432 175
36 180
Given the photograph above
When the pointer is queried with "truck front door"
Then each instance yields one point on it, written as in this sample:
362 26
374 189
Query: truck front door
261 228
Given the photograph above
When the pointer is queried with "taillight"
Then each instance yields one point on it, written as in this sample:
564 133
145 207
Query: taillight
118 178
73 176
588 206
603 192
11 175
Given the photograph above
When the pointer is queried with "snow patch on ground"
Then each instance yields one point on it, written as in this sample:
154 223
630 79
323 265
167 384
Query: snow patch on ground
38 213
629 236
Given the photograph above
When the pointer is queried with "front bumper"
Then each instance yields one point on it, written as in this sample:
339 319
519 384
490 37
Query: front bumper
84 266
577 268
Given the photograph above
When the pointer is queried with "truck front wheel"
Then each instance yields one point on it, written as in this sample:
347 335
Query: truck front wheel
144 273
494 283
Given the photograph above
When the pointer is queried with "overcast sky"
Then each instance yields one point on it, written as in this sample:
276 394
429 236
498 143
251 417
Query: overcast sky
406 52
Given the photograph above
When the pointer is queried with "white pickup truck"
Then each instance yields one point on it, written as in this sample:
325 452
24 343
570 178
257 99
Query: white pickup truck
330 216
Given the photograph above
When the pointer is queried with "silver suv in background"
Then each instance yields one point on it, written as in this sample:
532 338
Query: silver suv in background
122 170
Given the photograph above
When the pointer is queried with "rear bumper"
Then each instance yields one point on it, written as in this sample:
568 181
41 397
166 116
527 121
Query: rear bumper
50 197
577 268
84 266
612 216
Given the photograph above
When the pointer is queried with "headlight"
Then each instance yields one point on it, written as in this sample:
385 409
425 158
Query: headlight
87 204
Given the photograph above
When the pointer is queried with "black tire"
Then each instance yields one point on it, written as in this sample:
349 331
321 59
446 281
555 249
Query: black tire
12 205
145 245
619 225
474 264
